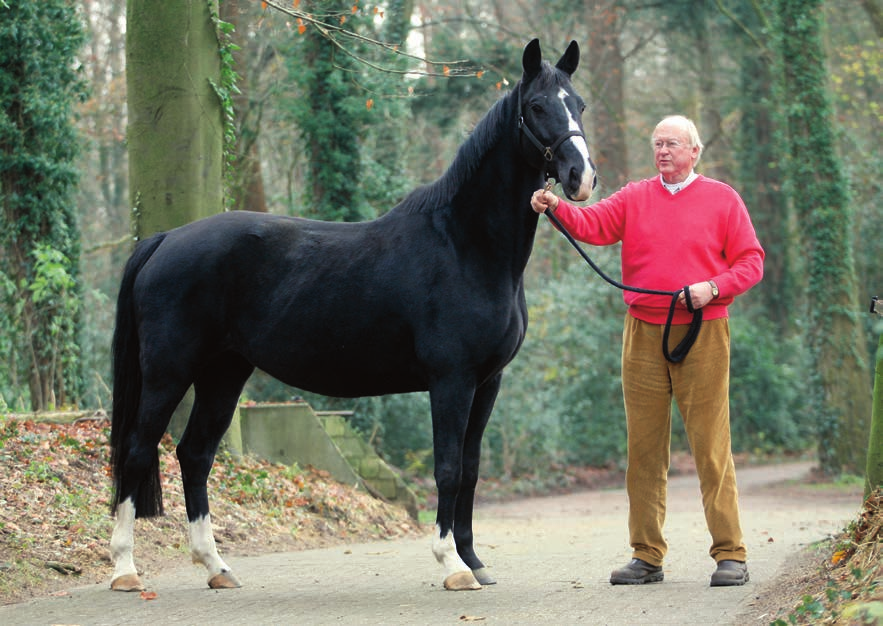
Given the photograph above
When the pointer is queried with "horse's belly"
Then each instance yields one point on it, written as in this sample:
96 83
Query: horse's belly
343 373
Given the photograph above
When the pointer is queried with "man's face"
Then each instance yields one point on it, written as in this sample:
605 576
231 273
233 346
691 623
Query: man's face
673 154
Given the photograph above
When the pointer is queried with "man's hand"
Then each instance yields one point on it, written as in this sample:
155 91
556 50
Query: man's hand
700 295
542 200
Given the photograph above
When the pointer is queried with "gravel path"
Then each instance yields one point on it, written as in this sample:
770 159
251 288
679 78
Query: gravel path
551 558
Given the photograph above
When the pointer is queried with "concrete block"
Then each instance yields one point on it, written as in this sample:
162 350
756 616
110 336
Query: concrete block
291 433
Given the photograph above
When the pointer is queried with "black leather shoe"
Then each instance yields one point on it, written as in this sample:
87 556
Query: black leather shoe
730 573
637 572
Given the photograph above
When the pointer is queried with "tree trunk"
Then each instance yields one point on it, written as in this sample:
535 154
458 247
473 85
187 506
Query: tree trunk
175 118
607 86
874 472
714 163
761 188
842 395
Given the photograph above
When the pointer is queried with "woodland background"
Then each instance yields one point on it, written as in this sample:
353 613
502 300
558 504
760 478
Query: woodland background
323 123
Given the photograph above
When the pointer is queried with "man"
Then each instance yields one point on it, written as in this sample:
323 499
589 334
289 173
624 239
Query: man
678 228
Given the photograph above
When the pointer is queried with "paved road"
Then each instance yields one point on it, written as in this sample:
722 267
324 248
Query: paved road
551 557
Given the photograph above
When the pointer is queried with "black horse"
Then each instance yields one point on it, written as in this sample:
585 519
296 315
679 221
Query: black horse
428 297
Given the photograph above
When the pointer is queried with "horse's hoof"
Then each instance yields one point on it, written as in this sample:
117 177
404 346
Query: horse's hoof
461 581
127 582
224 580
483 576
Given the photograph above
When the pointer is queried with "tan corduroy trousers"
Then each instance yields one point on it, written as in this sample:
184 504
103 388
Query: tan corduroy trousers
700 386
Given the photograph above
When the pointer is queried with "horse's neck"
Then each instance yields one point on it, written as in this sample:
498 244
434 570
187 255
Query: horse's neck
494 208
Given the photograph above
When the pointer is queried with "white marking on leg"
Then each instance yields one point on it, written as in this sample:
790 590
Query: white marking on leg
588 179
445 552
122 541
202 546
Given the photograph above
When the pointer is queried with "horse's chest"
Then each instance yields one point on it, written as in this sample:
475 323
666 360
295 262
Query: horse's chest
498 331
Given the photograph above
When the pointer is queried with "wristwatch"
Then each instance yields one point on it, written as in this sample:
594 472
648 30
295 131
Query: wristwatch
715 292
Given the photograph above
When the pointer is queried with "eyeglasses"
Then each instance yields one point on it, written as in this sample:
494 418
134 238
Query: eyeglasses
671 144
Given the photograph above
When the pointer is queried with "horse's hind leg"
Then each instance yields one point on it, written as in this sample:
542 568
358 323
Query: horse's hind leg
217 392
137 475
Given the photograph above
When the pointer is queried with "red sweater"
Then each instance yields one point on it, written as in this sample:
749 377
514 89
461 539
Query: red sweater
703 232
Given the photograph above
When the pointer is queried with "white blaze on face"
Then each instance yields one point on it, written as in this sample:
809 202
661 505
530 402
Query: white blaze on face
122 542
202 546
586 184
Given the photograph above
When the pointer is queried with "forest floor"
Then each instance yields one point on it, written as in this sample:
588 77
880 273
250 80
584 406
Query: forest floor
55 522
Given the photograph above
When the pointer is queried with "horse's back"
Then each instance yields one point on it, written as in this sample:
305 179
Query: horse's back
313 303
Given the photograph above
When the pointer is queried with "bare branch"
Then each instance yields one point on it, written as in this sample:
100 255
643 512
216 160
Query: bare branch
98 247
741 25
331 32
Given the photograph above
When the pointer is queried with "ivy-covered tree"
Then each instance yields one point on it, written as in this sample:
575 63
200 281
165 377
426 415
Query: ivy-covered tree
245 182
40 82
841 398
874 470
331 115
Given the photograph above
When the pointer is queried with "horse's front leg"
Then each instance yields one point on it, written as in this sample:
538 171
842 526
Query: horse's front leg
202 541
482 406
451 401
211 415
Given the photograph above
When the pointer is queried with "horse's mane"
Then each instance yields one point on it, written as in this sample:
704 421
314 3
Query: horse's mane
484 136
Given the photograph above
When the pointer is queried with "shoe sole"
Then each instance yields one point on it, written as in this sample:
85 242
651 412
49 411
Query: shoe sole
649 578
730 583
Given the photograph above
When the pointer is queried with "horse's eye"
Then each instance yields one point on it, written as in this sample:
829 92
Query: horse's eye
536 108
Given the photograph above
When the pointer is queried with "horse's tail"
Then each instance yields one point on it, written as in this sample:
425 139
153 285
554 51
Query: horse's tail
127 388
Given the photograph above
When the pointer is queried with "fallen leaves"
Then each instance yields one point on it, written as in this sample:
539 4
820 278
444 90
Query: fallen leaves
55 508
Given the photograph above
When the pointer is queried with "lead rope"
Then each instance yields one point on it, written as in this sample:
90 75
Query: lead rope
680 351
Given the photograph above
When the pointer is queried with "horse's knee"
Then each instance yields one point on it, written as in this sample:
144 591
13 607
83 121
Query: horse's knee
469 477
447 477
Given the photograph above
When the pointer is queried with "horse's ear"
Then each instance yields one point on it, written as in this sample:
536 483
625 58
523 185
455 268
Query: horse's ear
570 59
532 60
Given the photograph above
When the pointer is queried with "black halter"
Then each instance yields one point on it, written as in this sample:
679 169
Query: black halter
548 152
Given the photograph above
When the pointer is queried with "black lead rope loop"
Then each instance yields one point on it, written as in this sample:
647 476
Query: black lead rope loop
680 351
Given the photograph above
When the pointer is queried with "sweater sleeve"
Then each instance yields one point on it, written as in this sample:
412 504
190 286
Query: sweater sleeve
598 224
743 253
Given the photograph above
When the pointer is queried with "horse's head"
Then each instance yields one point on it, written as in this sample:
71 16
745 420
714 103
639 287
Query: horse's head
550 121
